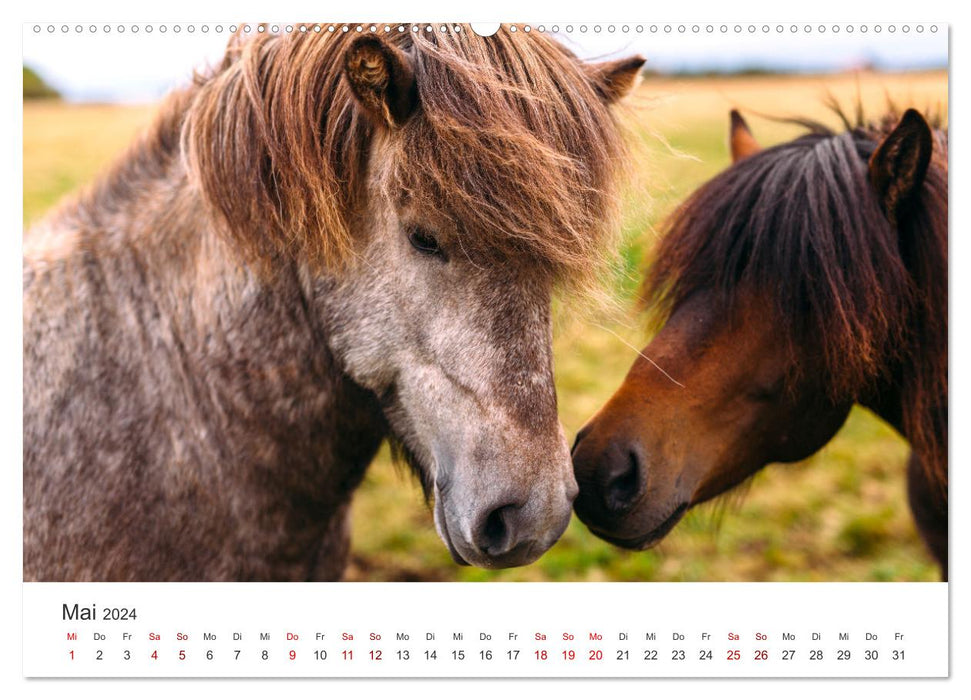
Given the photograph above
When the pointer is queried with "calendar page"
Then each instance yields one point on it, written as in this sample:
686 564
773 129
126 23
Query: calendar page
436 349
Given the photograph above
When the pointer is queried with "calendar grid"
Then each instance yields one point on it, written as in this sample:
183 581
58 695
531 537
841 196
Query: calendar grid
486 630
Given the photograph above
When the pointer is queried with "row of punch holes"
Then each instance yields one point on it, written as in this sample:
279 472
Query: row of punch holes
543 28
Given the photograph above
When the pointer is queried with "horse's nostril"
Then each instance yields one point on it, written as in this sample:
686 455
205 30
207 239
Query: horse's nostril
625 480
495 526
496 535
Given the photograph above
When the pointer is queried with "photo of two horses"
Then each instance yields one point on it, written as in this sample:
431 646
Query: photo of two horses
333 249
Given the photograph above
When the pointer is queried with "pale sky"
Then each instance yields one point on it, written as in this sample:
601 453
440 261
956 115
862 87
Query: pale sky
142 66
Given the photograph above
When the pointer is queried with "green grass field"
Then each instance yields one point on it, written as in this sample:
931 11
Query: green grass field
839 516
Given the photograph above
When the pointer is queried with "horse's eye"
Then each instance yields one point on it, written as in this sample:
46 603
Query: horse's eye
425 243
768 393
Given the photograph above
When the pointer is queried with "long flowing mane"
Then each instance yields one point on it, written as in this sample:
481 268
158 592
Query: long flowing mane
512 148
800 225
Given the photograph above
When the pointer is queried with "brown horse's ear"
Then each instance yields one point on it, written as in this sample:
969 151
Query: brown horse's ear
382 79
615 79
898 166
740 138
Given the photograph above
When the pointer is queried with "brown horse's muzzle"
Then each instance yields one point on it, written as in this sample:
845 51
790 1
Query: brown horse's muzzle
616 500
614 475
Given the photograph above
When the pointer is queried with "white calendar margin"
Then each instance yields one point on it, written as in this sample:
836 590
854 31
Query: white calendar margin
497 618
700 10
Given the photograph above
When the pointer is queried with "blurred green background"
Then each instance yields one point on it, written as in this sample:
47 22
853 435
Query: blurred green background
841 515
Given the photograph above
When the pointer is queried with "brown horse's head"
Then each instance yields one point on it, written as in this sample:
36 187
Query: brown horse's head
805 278
432 187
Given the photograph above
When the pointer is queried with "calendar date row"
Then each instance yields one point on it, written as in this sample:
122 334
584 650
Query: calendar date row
540 655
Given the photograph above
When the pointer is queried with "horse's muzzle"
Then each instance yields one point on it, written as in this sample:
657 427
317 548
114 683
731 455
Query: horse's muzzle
504 533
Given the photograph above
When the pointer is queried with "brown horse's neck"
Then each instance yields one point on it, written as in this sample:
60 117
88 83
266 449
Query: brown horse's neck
927 468
926 433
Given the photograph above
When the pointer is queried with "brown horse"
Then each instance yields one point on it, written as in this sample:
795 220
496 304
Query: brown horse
805 278
325 242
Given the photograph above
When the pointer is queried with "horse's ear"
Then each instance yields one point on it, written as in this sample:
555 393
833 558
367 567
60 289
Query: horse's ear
382 79
615 79
898 166
740 138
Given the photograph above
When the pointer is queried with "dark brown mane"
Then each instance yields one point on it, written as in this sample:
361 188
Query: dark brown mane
511 149
800 225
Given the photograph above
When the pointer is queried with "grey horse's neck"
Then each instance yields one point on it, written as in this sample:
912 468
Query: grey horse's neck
194 392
